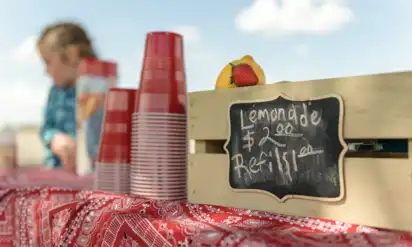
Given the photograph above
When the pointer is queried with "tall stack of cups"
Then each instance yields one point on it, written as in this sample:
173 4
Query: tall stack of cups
159 152
133 147
113 160
111 73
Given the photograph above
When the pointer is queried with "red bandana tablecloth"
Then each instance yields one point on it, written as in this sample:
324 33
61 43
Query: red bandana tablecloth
62 217
44 216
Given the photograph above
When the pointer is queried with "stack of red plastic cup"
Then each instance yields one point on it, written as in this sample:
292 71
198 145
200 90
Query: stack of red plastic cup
96 76
111 73
113 160
159 150
89 73
133 150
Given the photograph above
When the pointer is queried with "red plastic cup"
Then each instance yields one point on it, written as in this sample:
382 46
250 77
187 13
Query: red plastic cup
98 68
83 67
116 132
163 81
110 72
88 66
110 69
136 101
158 151
112 178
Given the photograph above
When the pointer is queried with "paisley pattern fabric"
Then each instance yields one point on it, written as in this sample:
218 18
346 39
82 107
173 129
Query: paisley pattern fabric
62 217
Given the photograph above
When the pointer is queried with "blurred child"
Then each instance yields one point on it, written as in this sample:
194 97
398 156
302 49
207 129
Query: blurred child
61 47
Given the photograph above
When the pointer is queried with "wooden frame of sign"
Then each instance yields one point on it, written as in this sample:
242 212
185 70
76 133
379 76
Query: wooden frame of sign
377 191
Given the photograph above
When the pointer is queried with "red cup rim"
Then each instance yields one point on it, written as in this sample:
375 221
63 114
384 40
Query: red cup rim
159 125
159 183
171 174
148 164
163 145
171 149
158 165
102 162
114 182
158 119
113 167
167 187
146 167
155 178
112 186
143 171
167 143
159 193
159 114
150 151
135 160
152 175
139 132
164 159
113 191
114 172
165 138
170 186
116 164
165 198
159 169
165 153
153 130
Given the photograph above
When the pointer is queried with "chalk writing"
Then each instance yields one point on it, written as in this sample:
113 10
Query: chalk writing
286 147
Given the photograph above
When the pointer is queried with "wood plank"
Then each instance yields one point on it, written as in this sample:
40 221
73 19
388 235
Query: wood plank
378 192
376 106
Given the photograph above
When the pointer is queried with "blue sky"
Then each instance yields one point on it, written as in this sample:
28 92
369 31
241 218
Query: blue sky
292 40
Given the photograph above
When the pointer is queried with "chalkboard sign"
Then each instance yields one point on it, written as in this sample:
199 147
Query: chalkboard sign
290 148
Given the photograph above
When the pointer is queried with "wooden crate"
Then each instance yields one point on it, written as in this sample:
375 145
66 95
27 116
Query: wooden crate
378 191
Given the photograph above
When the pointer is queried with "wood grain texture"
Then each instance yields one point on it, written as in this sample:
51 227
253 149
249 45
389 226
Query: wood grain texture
378 190
376 106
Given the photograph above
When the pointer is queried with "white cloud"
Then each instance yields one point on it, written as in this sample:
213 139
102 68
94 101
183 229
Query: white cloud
26 51
287 17
23 95
191 34
22 102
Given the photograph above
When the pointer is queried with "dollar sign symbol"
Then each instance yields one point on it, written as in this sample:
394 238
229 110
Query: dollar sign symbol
249 140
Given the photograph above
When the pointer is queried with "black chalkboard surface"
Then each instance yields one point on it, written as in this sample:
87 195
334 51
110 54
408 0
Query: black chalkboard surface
292 149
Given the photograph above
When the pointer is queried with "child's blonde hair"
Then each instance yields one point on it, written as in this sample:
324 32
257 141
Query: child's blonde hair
67 34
